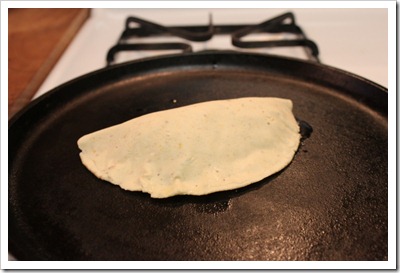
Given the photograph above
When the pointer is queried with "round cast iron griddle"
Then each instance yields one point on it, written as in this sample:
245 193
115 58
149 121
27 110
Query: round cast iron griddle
330 203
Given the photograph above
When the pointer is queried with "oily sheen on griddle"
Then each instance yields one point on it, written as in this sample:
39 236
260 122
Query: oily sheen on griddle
196 149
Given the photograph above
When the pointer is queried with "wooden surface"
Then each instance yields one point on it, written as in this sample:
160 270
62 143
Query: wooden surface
36 40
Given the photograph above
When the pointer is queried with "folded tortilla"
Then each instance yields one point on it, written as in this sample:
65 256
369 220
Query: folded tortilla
197 149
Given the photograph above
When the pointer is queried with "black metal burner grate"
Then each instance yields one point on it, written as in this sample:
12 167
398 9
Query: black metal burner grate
284 23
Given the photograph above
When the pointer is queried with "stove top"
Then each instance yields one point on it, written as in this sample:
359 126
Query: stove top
343 38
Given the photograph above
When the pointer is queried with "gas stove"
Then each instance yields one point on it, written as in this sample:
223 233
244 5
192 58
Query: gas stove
344 38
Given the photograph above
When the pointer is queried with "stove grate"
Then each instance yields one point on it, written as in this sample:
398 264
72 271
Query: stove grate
139 28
